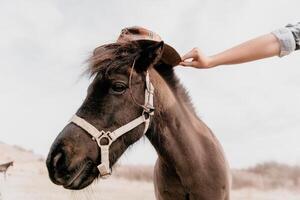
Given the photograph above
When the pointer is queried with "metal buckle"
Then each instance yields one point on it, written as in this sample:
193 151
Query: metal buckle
104 135
148 112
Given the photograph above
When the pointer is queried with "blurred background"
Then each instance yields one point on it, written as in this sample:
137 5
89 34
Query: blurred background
252 108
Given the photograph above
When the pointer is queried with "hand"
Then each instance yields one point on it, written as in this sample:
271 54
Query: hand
195 58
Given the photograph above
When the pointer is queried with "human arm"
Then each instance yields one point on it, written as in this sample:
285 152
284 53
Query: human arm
278 43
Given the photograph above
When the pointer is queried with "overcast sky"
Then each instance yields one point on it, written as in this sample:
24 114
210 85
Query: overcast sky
252 108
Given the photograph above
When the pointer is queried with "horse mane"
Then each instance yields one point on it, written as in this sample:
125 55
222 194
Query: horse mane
168 74
110 57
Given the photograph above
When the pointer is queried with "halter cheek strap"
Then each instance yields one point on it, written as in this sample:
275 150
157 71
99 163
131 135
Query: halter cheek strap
105 138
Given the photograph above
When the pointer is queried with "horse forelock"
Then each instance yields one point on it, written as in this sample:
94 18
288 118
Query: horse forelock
111 57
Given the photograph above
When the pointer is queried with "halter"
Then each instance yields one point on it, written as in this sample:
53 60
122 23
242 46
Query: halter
108 137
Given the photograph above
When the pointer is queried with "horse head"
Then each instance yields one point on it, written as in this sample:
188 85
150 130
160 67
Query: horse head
115 97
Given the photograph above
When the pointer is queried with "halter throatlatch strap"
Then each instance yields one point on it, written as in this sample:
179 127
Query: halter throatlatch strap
108 137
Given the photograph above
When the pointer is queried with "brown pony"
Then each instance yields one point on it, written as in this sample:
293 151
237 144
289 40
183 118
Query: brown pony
191 162
4 167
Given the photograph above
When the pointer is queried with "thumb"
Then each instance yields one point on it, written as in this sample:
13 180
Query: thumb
190 54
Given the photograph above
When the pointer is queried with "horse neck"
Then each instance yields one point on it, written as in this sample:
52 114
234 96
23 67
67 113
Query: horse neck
175 126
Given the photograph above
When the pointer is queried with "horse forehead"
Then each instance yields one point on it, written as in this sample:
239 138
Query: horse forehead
107 73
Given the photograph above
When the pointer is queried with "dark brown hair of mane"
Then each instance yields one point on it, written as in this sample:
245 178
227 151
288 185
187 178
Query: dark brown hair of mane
112 56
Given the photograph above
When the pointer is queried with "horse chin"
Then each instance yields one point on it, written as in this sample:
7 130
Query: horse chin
82 178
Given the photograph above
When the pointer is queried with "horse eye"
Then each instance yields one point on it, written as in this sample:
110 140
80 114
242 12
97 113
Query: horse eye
118 88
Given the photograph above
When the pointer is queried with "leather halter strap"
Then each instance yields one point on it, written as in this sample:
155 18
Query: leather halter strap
108 137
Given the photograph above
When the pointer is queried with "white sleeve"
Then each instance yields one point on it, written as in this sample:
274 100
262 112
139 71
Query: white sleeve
286 40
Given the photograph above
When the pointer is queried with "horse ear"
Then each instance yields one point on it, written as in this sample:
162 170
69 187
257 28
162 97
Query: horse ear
150 54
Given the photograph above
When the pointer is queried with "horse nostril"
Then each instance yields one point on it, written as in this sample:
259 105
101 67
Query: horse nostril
57 159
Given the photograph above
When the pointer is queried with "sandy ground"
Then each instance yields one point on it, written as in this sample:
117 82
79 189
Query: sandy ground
35 185
30 182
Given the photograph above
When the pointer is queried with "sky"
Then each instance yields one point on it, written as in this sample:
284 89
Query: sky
252 108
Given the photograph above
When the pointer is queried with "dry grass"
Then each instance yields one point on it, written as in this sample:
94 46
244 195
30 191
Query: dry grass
134 173
265 176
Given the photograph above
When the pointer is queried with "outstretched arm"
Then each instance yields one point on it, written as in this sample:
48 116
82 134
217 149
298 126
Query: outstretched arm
278 43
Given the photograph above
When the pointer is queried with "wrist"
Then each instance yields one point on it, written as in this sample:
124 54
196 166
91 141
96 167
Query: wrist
211 62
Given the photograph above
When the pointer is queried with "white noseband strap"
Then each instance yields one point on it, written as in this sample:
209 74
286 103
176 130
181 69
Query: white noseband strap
105 138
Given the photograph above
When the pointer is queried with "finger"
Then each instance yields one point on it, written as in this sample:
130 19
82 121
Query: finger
184 63
190 54
189 64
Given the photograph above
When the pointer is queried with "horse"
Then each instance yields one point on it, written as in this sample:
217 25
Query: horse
191 164
4 167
